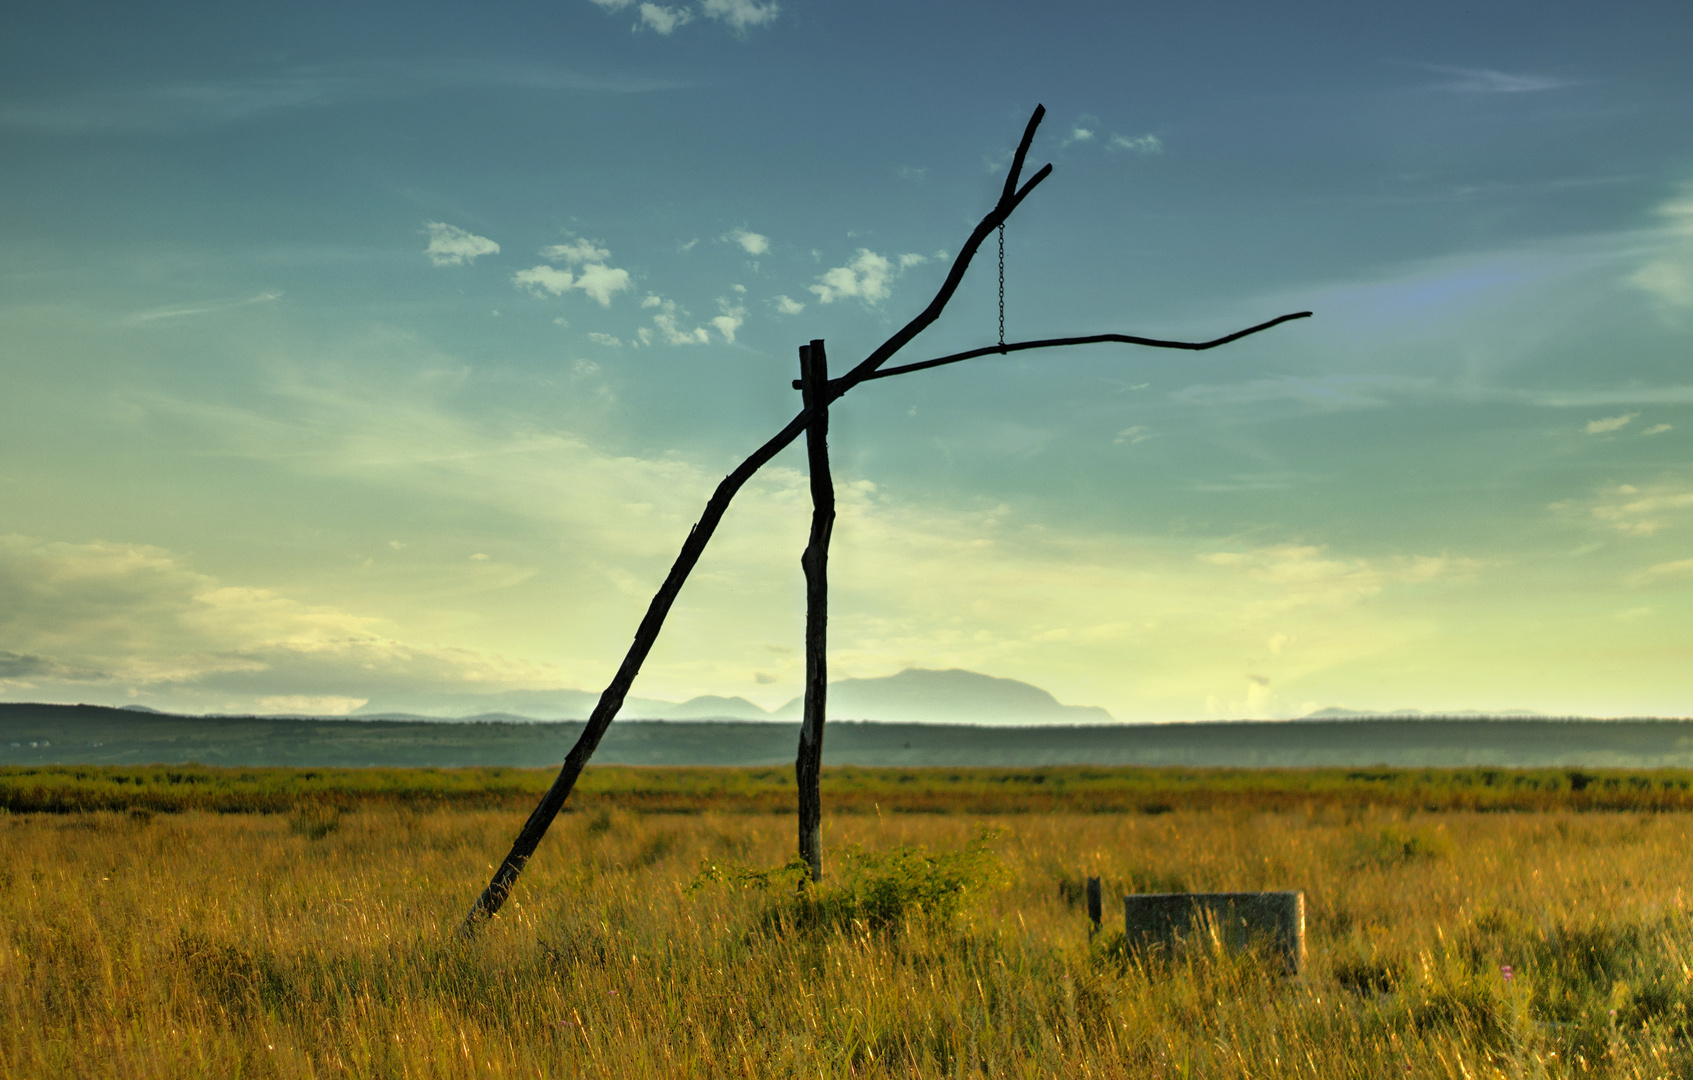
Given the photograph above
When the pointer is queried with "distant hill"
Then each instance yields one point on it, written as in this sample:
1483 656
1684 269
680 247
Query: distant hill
91 734
712 707
954 696
915 695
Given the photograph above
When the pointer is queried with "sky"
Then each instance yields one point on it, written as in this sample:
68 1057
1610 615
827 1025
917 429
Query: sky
360 353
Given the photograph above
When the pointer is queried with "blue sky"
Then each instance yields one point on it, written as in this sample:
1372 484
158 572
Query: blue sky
361 353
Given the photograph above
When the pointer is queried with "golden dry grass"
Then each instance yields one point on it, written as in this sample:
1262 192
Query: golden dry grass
322 945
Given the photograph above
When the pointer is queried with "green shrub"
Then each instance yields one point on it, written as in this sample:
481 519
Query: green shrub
875 890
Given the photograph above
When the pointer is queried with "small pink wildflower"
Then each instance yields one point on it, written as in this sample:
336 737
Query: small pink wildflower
1507 971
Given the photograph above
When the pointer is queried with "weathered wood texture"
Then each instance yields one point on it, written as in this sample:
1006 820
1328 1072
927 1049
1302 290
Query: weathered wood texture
1155 920
808 765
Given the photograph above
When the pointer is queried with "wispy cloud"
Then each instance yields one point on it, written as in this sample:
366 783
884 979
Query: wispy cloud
576 251
540 279
1330 392
1632 510
1678 569
662 19
453 246
738 15
667 325
1488 81
1600 397
131 617
788 306
750 242
1140 144
204 307
189 104
1669 275
1610 423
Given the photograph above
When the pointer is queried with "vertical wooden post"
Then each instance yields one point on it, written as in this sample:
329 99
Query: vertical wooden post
1096 910
808 765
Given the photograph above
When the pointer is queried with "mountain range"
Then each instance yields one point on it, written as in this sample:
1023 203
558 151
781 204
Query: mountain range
915 695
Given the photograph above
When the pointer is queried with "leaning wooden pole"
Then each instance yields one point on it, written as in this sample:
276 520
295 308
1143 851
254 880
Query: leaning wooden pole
808 765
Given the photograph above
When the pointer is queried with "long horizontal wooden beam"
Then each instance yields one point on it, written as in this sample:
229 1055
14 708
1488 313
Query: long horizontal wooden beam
1091 339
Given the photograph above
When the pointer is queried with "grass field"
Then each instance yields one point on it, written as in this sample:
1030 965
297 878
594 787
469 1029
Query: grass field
846 790
318 941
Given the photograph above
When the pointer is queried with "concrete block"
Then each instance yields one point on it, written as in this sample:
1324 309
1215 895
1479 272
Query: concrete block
1234 919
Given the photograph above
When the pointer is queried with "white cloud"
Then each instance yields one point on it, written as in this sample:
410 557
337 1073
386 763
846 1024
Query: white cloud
1610 423
576 251
739 14
734 314
1078 134
752 243
1658 429
452 246
667 323
604 339
1143 144
539 279
1132 435
600 282
867 277
595 279
664 19
789 306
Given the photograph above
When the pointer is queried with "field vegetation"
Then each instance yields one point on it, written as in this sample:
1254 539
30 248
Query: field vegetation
846 790
319 941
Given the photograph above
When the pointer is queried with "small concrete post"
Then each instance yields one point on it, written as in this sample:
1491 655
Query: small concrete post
1163 919
1095 907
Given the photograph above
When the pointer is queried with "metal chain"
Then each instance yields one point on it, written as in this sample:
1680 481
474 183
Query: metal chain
1002 284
